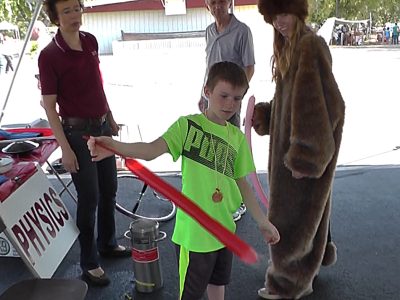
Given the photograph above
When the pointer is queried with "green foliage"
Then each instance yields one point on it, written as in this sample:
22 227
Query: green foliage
19 12
381 10
320 10
34 48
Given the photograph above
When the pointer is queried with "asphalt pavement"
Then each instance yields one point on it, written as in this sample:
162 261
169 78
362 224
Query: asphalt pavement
365 226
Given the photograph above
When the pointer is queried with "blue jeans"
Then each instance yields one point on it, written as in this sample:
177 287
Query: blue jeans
96 187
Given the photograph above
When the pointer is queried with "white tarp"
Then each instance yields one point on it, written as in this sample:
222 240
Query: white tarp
35 14
4 25
327 28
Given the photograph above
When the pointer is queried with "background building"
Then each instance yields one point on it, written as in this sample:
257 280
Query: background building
107 18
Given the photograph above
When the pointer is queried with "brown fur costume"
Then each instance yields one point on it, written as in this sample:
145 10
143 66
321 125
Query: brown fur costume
304 121
271 8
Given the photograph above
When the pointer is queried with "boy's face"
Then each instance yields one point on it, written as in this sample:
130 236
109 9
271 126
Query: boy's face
224 101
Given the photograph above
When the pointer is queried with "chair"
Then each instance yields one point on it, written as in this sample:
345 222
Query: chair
46 289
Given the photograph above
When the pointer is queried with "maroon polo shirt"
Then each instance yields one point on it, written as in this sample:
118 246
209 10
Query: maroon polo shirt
74 76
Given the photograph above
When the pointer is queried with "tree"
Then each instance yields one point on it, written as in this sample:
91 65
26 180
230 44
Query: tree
381 10
19 12
320 10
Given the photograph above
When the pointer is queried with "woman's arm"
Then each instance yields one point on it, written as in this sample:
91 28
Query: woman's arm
69 159
316 109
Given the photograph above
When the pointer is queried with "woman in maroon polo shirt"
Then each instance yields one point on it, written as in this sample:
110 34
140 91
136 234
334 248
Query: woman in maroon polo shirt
70 77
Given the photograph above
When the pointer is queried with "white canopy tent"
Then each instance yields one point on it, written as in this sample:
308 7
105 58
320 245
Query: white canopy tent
4 25
327 28
27 38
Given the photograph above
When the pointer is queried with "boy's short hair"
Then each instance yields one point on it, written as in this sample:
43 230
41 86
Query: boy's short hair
228 72
51 11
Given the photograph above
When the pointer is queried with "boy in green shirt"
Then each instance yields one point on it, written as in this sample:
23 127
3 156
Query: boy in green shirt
215 161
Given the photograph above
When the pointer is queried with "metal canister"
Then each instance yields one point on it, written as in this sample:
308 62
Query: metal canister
145 235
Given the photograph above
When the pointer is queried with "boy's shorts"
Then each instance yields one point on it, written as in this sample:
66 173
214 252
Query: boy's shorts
197 270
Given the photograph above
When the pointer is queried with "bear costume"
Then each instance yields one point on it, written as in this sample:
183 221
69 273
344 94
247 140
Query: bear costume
305 121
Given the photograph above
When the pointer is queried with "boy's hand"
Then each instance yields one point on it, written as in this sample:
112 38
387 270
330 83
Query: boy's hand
96 150
270 233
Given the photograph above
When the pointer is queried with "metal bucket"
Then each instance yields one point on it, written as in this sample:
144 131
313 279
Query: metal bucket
144 235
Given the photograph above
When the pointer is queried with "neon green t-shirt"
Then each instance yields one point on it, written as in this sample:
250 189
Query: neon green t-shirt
189 137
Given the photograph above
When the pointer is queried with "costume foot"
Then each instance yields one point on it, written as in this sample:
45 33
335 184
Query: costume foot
330 255
96 277
265 294
306 293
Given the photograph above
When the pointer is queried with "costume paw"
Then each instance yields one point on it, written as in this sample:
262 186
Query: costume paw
261 117
265 294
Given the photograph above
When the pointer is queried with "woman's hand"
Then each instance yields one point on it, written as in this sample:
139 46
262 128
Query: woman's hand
114 126
69 161
99 147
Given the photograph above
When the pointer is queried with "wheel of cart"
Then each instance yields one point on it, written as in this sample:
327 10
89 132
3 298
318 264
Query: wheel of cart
135 199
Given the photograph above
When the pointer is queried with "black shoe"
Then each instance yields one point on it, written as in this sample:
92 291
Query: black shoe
115 253
102 280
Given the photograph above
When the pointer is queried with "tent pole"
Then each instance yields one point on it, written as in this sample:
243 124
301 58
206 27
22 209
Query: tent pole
35 15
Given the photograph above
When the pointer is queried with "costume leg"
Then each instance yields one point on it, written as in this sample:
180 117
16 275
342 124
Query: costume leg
329 233
297 258
330 255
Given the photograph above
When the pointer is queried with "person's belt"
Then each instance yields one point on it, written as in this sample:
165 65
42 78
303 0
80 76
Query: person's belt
83 122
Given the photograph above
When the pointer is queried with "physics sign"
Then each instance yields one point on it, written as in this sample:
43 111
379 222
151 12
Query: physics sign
38 225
